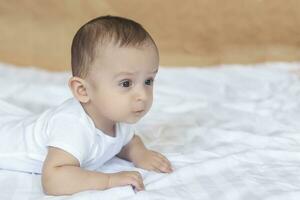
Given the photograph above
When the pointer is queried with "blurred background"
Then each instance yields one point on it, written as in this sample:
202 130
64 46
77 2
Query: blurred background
188 33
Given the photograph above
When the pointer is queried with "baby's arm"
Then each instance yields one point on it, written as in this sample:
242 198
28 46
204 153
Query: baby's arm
136 152
62 175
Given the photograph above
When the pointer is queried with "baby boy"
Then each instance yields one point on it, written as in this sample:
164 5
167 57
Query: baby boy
114 64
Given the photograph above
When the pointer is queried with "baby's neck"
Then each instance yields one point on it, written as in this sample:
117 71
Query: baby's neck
103 124
111 132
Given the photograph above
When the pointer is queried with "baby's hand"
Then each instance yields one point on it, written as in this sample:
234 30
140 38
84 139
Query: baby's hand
154 161
133 178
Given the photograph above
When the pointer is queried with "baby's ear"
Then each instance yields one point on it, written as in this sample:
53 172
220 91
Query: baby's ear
78 88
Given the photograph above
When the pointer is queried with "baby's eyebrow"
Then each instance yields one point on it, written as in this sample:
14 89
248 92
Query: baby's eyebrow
124 73
131 73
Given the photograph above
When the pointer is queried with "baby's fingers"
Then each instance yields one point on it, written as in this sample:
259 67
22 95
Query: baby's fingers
162 157
163 166
137 182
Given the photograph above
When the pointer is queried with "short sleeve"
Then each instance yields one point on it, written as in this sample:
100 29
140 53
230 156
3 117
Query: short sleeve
69 133
128 132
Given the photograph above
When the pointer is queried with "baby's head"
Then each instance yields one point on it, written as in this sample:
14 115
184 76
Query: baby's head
114 62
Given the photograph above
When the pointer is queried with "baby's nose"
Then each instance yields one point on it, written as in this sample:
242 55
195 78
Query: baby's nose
141 95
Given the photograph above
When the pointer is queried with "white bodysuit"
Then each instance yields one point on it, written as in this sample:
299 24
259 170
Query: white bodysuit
24 137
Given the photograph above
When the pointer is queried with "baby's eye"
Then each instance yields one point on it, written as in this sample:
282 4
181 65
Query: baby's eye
149 82
125 83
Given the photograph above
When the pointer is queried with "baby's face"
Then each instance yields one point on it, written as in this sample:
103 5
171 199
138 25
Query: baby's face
121 82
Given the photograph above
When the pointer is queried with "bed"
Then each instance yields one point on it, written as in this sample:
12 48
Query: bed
230 131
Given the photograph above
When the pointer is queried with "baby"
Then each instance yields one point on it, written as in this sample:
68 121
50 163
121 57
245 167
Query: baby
114 63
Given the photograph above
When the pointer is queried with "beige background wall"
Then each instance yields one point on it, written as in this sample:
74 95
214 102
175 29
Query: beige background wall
191 32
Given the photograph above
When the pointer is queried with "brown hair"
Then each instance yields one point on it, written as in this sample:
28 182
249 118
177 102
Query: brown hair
100 31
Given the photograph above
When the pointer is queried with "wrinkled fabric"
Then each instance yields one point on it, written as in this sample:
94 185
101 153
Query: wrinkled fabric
230 132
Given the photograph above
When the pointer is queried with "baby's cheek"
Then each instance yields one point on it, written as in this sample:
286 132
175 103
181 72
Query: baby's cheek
120 108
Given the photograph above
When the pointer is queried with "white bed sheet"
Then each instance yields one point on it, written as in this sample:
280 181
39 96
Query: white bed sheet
231 132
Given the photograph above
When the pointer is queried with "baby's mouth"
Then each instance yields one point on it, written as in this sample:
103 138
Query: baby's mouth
138 112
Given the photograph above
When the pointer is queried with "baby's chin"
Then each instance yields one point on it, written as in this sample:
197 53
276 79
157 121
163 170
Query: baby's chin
132 120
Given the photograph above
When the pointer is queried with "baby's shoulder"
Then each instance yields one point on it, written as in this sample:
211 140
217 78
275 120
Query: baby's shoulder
69 106
68 119
69 112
